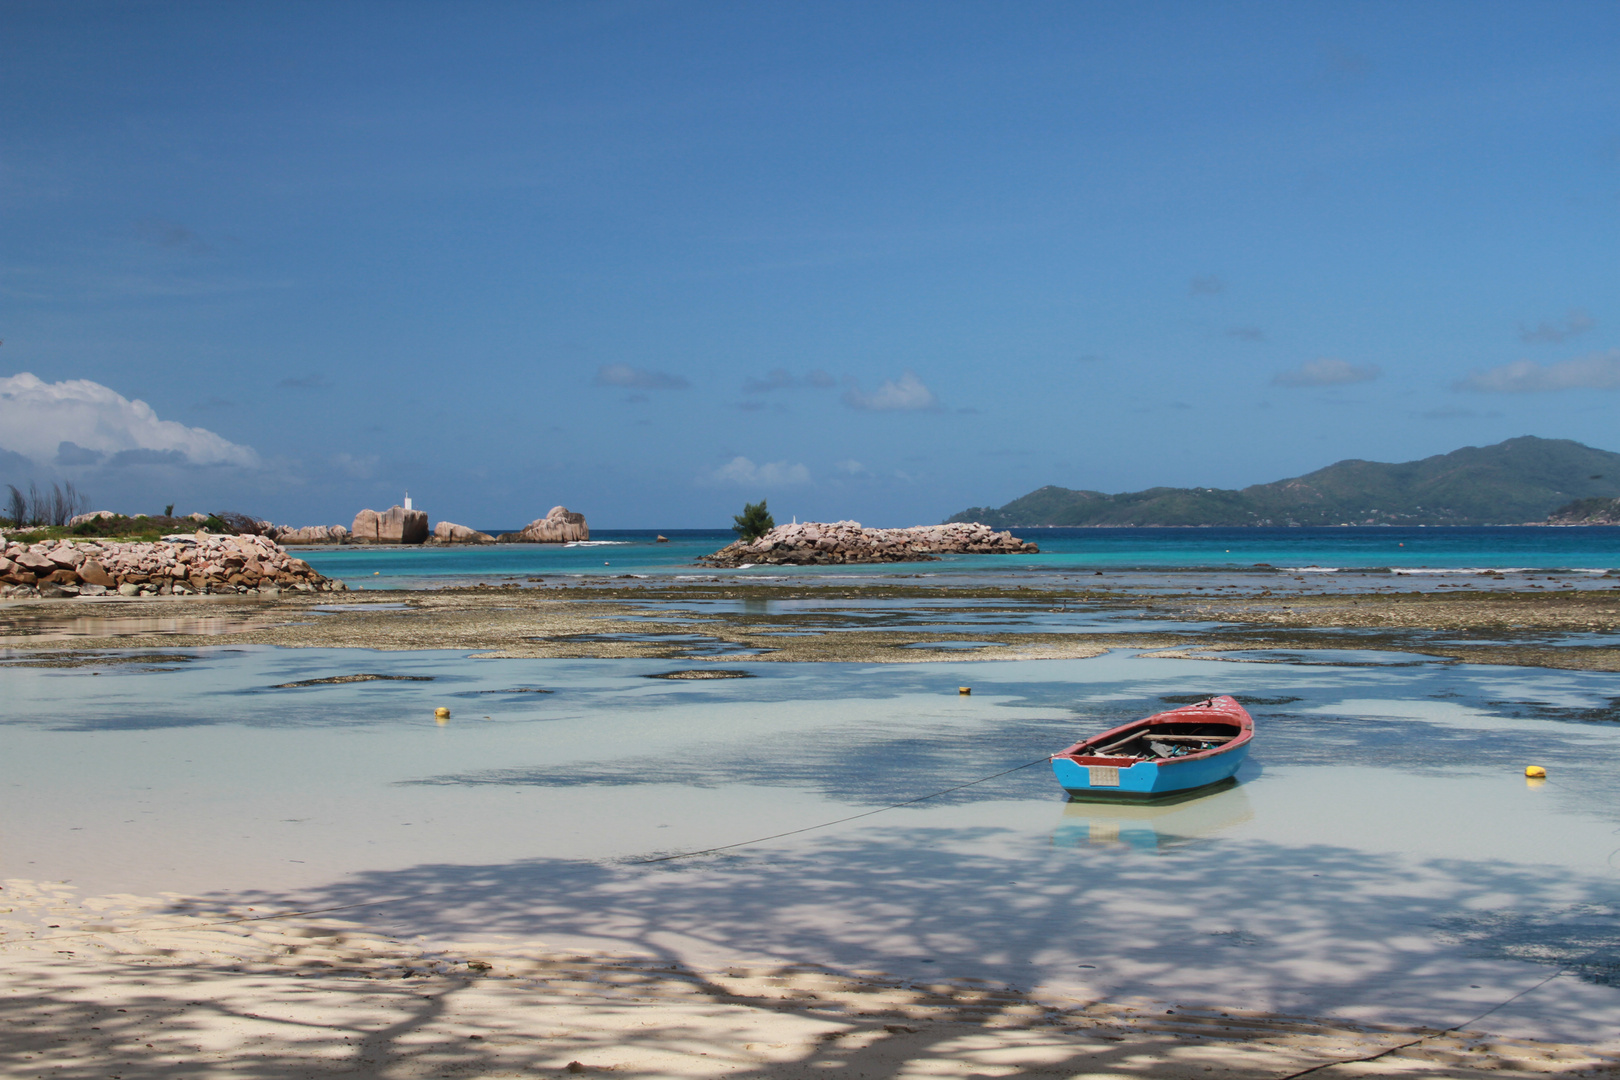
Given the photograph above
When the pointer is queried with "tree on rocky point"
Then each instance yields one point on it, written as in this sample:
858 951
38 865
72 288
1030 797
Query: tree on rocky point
754 522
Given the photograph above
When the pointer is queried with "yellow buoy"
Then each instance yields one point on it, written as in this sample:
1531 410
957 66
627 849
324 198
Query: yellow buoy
441 713
964 689
1535 772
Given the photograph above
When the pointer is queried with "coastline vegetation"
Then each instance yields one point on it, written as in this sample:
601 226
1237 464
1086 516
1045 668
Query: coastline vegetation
140 527
40 507
1597 511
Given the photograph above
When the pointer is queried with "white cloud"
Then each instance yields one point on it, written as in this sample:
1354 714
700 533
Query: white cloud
1576 322
172 234
778 379
904 394
850 467
638 378
1327 371
1597 371
744 473
77 421
358 467
782 379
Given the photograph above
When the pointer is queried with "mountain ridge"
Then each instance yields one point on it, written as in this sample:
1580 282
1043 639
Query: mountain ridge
1513 482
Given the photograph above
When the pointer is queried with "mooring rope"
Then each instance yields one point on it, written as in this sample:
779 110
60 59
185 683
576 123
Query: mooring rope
1443 1031
840 821
1459 1025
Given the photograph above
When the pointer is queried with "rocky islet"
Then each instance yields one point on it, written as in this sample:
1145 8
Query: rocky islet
448 532
396 525
308 534
402 525
816 543
560 526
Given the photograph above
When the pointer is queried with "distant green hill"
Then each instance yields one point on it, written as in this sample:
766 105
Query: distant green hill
1587 512
1512 482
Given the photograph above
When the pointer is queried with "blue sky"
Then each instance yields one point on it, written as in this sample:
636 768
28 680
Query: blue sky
878 261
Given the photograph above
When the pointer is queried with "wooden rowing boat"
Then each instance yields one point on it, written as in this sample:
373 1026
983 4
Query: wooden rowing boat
1167 753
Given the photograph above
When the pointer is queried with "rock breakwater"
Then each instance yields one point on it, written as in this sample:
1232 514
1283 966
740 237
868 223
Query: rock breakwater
175 565
815 543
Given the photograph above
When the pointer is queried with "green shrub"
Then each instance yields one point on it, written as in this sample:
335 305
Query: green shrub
754 522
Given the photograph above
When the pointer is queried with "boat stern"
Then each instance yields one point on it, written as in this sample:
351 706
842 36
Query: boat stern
1098 779
1123 778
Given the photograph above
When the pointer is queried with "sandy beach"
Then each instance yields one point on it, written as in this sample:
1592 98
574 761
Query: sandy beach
130 987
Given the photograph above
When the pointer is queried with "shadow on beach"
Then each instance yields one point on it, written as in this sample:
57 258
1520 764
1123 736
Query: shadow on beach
917 951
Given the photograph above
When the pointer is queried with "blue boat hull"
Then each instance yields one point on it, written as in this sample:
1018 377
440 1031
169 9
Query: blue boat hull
1148 779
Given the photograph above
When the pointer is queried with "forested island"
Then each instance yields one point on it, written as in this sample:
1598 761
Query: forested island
1519 481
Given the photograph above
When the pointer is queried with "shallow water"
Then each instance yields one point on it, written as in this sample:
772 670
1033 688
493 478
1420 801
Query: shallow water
1383 856
31 631
941 615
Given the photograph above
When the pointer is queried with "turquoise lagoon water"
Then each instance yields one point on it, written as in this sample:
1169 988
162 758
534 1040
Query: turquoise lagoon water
1398 550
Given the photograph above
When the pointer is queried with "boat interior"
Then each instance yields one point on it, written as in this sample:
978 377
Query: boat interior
1159 741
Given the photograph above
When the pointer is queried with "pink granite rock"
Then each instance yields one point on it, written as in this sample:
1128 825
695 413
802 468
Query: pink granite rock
559 526
396 525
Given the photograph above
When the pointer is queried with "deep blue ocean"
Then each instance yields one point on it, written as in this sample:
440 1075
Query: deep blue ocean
615 552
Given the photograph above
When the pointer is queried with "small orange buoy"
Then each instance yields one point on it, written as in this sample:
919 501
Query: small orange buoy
964 690
1535 772
441 713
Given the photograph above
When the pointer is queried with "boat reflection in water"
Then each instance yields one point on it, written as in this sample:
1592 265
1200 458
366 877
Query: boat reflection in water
1154 826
